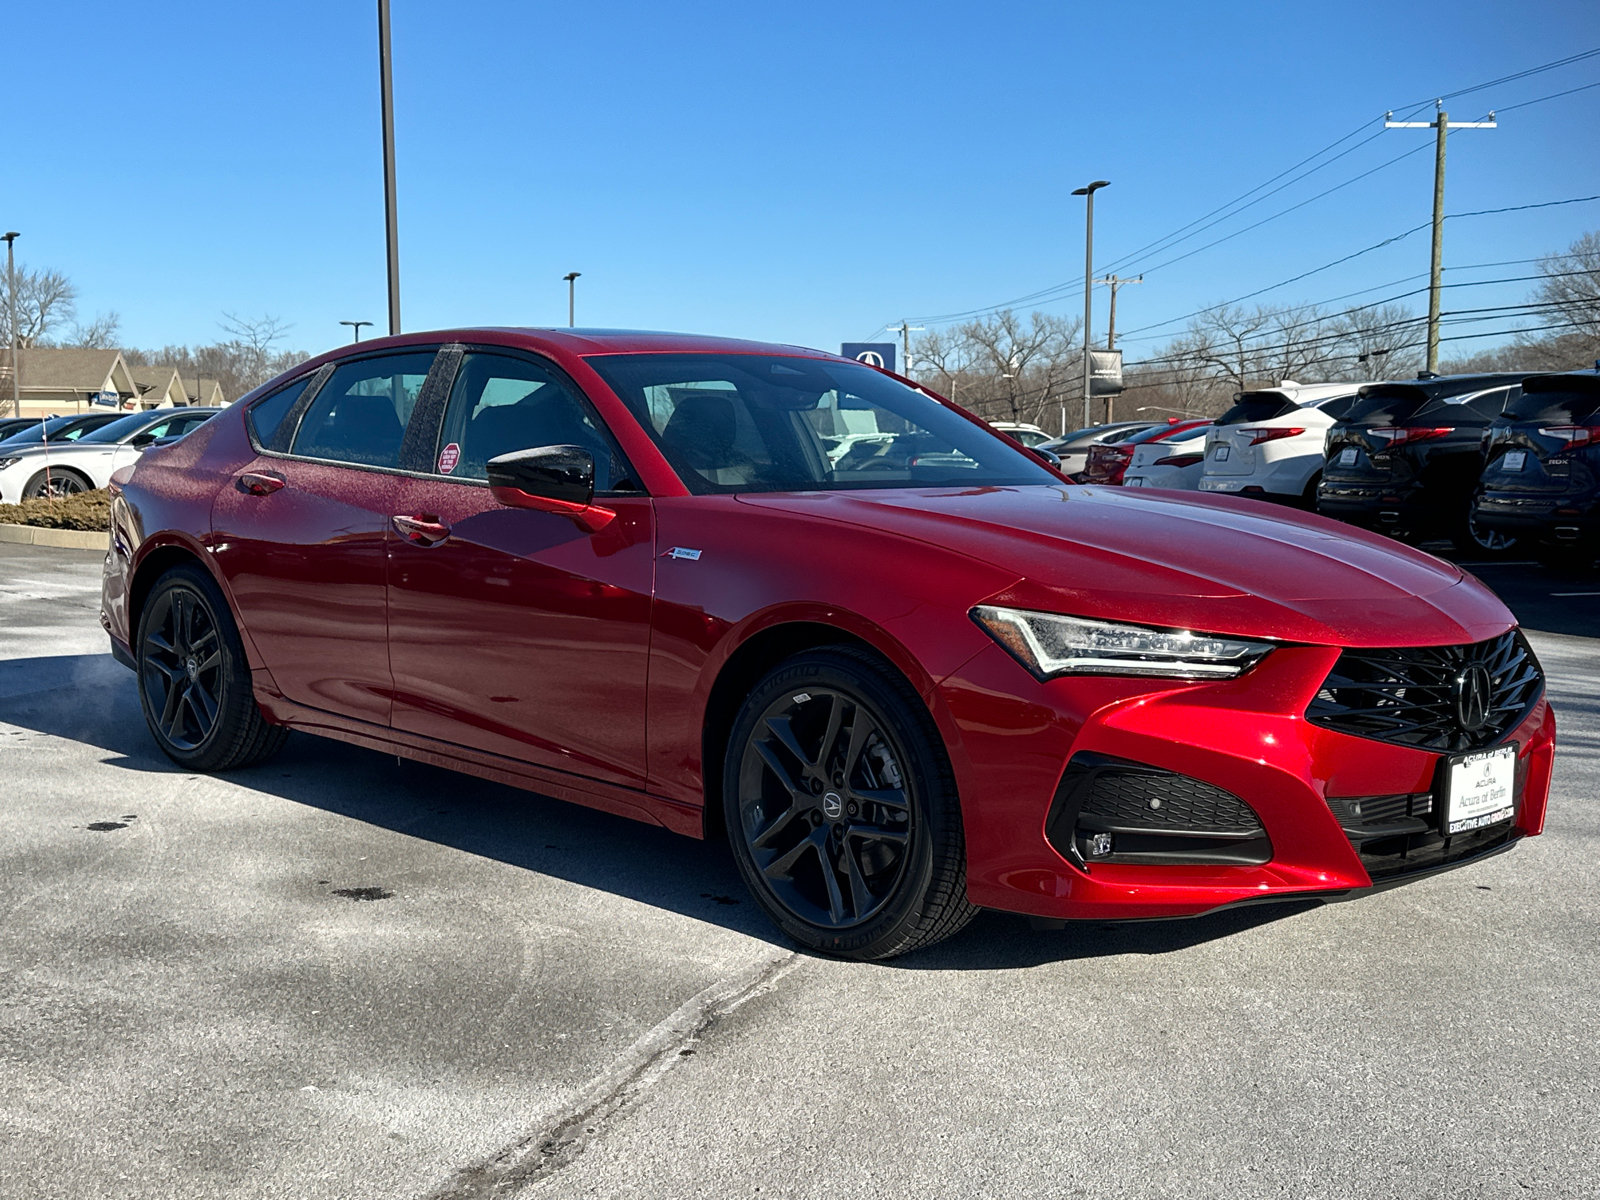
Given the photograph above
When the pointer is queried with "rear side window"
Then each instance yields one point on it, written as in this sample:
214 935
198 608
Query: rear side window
499 405
359 416
1257 406
266 415
1566 402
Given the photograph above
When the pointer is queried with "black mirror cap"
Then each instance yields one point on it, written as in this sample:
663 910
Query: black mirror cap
1050 456
564 473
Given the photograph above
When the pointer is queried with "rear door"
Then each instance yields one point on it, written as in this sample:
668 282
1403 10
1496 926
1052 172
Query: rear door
512 631
302 536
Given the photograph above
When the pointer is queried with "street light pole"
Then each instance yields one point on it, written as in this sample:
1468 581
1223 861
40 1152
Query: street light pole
390 218
1088 281
11 299
356 327
572 297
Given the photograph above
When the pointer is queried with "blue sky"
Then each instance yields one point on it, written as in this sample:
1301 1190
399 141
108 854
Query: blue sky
797 172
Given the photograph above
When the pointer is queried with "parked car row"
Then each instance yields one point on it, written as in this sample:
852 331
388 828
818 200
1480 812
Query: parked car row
1494 462
66 455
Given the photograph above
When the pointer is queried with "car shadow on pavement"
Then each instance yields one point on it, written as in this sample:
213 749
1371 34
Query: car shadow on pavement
92 700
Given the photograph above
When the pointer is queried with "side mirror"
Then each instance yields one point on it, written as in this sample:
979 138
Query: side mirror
1050 456
552 479
140 440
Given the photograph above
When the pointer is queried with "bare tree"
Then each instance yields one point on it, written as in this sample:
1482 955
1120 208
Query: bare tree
1003 367
1379 342
252 345
100 334
44 300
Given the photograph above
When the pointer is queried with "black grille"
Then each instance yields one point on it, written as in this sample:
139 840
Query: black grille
1408 694
1166 801
1117 811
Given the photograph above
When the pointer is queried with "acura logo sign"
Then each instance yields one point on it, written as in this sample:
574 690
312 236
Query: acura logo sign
1474 688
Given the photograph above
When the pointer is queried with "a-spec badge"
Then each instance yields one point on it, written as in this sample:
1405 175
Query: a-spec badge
448 458
684 552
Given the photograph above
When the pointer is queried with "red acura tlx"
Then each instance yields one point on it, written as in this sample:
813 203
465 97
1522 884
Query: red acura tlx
904 665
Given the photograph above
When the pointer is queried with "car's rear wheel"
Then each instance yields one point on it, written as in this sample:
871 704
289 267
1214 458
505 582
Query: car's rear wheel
194 681
842 810
57 482
1471 537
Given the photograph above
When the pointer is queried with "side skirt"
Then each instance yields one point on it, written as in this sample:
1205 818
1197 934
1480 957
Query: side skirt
681 818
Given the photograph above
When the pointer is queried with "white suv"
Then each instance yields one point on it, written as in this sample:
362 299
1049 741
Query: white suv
1269 444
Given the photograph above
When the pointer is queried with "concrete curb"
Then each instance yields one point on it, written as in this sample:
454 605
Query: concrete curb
68 539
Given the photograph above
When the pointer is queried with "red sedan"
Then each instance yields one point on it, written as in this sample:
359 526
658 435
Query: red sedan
623 570
1108 463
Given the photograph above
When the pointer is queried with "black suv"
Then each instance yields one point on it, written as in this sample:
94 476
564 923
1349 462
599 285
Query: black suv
1404 459
1542 474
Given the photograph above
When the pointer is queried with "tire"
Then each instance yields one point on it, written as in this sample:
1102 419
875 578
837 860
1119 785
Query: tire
57 481
1472 538
1308 498
865 858
194 681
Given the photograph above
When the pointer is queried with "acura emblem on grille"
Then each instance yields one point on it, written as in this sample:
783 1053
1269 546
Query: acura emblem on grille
1473 690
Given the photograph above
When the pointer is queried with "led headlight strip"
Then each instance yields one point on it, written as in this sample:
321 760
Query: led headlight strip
1050 644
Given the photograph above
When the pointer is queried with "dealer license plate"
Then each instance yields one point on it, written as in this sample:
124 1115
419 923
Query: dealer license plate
1512 460
1220 453
1347 457
1478 789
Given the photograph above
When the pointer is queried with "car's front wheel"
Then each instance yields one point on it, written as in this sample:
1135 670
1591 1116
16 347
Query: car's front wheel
194 681
842 810
56 482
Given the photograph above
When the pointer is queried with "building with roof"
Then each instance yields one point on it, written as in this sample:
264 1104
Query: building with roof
55 381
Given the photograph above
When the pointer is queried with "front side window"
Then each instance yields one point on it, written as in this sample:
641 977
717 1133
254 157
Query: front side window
499 405
770 423
360 414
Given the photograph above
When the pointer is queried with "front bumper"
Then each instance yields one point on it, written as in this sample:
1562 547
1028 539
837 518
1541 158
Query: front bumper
1014 738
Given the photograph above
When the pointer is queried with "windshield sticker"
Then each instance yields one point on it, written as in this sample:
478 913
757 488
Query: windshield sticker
448 458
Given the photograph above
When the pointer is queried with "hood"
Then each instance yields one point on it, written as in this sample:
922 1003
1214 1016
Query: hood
1209 563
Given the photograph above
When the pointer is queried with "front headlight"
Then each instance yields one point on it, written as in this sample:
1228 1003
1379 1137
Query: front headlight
1049 644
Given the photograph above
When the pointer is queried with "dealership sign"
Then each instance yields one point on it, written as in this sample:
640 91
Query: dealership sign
874 354
1105 372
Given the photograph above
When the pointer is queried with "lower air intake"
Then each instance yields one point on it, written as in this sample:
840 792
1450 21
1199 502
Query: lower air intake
1113 810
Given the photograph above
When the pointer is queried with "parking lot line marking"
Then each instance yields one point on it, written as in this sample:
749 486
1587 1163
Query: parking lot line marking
1575 593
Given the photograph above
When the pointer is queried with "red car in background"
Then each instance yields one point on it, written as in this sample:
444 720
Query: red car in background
1107 463
622 570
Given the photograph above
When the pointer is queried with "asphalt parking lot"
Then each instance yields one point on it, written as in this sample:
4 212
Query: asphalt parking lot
336 975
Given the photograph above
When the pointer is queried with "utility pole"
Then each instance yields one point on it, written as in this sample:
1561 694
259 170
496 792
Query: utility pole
390 219
1442 125
11 299
572 297
356 328
1115 284
905 329
1088 281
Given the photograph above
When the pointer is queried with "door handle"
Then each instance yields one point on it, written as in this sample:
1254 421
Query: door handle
259 483
423 529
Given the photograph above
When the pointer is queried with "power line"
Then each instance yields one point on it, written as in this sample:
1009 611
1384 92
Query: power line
1167 240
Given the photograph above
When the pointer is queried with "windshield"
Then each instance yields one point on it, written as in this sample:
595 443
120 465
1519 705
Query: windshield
770 423
35 433
120 428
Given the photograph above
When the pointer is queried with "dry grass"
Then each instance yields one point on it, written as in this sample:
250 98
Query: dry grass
90 511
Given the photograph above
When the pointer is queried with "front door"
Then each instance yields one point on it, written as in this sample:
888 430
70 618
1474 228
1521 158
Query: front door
517 632
302 535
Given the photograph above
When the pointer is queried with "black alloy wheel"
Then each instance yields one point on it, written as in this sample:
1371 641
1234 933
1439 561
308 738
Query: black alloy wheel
841 808
194 681
1472 537
55 483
